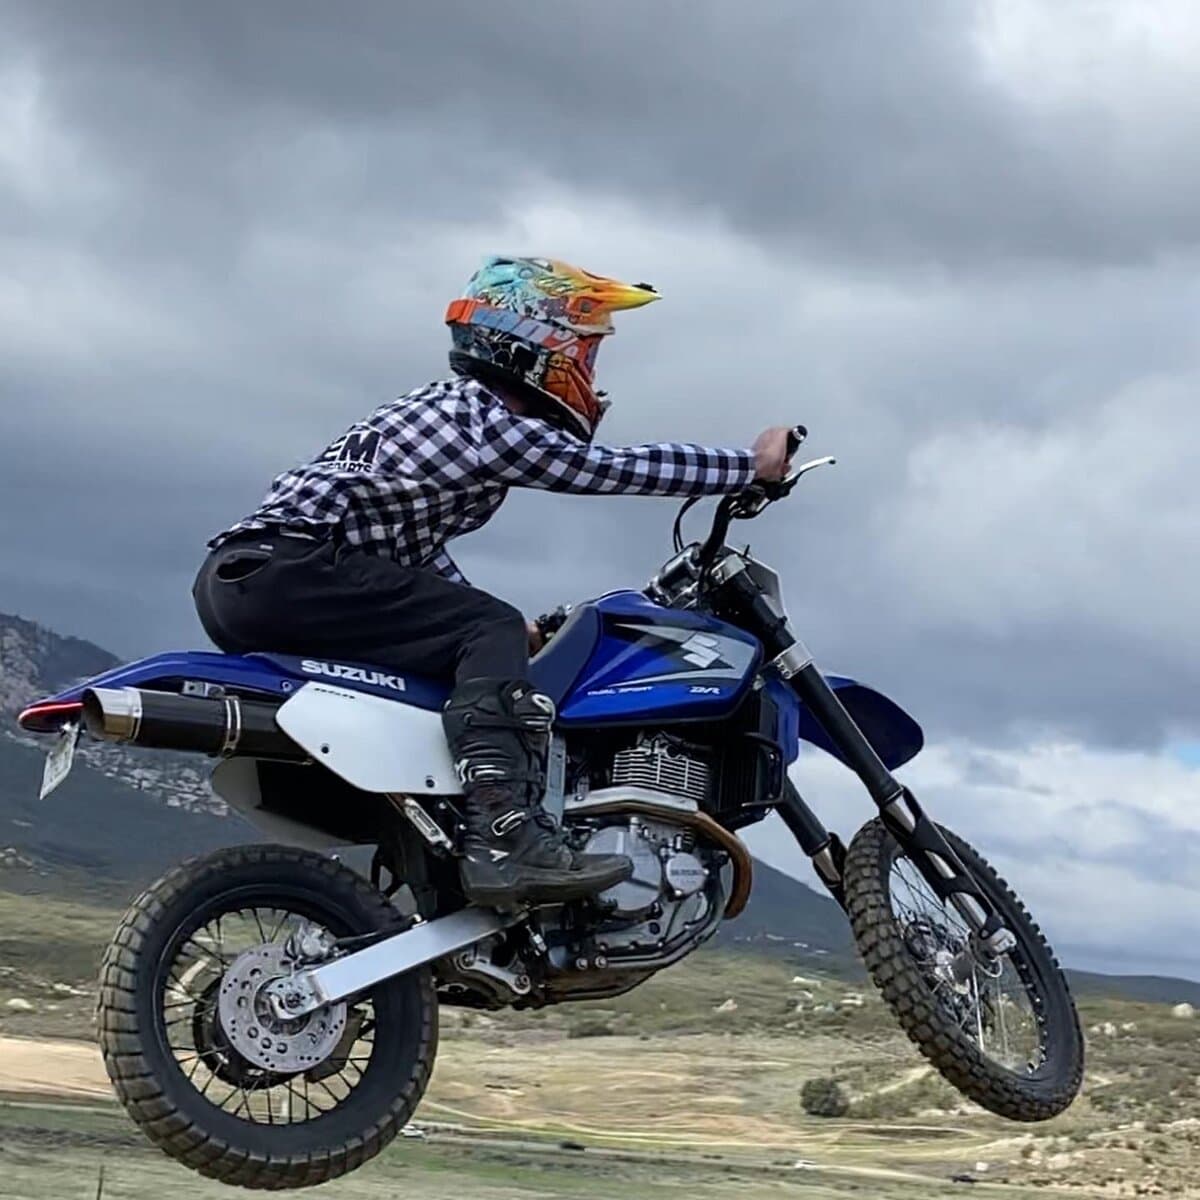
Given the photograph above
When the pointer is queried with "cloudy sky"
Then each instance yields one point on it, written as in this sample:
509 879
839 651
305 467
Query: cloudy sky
958 240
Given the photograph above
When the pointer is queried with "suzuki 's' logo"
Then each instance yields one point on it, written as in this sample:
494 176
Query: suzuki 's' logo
701 650
353 674
692 653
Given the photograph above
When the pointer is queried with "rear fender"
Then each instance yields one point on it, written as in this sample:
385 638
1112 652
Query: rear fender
250 674
237 782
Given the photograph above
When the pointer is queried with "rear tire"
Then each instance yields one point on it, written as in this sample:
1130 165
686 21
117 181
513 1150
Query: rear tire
1037 1093
172 1111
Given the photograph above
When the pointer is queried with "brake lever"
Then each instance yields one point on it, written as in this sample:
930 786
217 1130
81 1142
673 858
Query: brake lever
786 485
762 492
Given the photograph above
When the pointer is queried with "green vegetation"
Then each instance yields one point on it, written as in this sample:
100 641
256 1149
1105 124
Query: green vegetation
59 1153
693 1081
49 954
824 1097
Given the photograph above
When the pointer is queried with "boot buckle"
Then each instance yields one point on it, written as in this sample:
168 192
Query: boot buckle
508 821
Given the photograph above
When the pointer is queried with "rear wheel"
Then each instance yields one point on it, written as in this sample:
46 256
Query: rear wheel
1004 1031
198 1057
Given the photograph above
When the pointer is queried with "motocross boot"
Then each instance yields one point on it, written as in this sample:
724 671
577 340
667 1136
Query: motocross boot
514 852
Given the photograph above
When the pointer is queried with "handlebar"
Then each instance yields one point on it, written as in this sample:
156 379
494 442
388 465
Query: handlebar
750 502
687 571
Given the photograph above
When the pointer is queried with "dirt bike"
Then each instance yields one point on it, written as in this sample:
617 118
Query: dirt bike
269 1016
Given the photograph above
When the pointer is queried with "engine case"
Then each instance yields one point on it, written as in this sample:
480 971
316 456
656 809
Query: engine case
663 870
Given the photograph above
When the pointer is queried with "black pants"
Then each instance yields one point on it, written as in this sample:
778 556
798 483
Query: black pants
294 595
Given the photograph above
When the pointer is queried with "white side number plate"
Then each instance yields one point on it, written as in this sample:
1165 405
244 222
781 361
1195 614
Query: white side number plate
60 760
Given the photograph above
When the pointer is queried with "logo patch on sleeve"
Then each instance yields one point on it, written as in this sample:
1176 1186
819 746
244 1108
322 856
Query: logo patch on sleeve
353 451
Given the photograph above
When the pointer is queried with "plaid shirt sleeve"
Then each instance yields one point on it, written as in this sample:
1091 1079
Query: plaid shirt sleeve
521 452
445 566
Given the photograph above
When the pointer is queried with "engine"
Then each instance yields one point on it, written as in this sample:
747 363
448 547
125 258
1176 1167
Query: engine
650 813
665 895
661 765
688 873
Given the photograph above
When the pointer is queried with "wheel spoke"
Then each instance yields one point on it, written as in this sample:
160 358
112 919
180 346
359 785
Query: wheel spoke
258 923
212 1076
938 937
284 918
196 1038
1004 1049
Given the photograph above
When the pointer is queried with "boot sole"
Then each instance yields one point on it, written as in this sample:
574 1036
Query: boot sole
544 892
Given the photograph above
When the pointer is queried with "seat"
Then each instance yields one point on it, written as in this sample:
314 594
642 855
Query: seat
552 671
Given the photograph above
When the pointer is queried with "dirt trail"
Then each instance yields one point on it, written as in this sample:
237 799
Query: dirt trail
909 1076
52 1068
72 1072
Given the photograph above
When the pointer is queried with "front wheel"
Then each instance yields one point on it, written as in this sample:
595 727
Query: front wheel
1003 1031
200 1060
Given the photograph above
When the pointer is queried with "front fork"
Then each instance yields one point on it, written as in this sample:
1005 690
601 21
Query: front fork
920 838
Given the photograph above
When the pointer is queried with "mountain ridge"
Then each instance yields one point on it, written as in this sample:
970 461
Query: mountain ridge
125 815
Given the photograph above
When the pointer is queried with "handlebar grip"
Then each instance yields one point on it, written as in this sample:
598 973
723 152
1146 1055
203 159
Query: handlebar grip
548 624
795 436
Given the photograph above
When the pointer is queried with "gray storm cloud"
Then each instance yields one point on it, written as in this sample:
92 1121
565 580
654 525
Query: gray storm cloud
958 240
229 228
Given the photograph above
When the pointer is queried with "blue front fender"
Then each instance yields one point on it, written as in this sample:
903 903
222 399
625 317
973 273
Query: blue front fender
894 734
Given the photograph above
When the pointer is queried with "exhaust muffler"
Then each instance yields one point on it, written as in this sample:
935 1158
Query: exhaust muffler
217 725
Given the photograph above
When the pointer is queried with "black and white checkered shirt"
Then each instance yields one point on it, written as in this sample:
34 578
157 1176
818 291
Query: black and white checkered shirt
438 462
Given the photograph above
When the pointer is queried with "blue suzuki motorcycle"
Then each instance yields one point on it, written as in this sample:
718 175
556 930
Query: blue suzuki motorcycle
269 1016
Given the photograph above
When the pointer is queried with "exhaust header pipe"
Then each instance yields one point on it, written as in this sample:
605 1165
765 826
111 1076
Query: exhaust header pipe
217 725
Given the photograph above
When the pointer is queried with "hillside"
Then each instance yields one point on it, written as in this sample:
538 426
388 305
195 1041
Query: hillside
788 918
94 832
117 816
123 816
687 1087
1149 989
35 661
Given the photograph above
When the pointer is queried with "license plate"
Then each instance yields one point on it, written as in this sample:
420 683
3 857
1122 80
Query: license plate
60 760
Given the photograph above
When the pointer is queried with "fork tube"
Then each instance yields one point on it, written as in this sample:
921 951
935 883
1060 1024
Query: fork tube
825 849
821 700
921 838
791 658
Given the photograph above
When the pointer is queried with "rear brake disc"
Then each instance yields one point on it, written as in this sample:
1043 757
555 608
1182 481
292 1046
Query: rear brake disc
253 1029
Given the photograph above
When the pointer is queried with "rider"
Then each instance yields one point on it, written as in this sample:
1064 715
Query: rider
346 555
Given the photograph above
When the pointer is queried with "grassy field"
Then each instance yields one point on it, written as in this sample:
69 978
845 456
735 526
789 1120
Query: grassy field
59 1154
688 1086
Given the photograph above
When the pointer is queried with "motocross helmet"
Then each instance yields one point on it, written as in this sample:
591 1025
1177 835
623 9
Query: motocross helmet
535 324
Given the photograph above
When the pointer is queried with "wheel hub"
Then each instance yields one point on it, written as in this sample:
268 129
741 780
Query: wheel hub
252 1026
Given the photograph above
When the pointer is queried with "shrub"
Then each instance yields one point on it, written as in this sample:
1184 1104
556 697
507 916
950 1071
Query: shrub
824 1097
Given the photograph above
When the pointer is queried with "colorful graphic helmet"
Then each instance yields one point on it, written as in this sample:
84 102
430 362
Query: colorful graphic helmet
537 323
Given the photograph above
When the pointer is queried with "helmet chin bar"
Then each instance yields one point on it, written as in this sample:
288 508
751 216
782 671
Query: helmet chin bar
536 402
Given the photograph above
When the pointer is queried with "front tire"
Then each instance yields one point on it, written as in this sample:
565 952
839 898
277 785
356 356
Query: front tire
148 1007
967 1028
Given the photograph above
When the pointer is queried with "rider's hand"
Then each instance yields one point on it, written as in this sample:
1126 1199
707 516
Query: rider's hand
771 458
536 640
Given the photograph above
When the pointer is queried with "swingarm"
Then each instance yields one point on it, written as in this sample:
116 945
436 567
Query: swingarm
307 990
